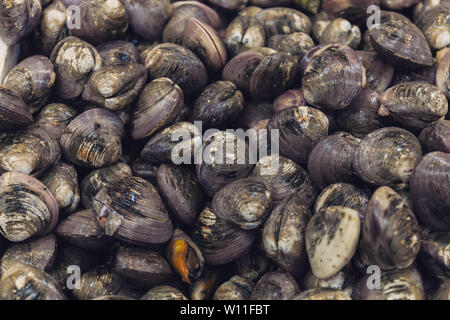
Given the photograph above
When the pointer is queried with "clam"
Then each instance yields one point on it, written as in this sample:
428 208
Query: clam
378 73
74 60
118 52
161 293
285 178
218 103
13 110
434 253
443 73
62 181
300 128
185 257
344 195
22 282
342 31
340 281
333 76
436 137
101 21
82 230
53 27
414 105
32 79
283 235
145 170
244 33
290 98
97 179
237 288
131 210
275 286
245 203
54 118
387 157
219 241
331 160
159 104
177 63
181 192
296 44
283 21
93 139
435 25
115 87
429 190
331 239
253 265
204 288
350 9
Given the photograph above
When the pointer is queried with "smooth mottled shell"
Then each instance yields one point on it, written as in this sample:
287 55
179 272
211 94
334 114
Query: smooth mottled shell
399 41
245 202
177 63
283 235
14 112
39 253
331 237
285 177
394 285
387 157
343 195
159 104
237 288
141 267
220 241
131 210
73 60
181 192
27 207
435 25
32 79
341 31
300 128
379 74
283 21
115 87
22 282
414 105
82 230
390 232
54 118
275 286
218 103
162 293
322 294
52 27
117 52
97 179
436 137
333 77
331 159
430 189
93 139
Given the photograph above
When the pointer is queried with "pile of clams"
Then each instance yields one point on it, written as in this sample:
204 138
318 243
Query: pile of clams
226 150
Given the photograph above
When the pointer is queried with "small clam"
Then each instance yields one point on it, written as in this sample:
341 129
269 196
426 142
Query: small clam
284 235
285 177
245 203
74 60
435 252
115 87
290 98
300 128
32 79
218 103
54 118
436 137
118 52
22 282
39 253
131 210
203 40
435 25
14 112
331 160
387 157
414 105
161 293
331 238
62 181
237 288
390 232
82 230
177 63
93 139
244 33
181 192
53 27
275 286
145 170
344 195
253 265
403 284
283 21
159 104
141 267
101 21
341 31
185 257
349 9
296 44
429 190
204 288
220 241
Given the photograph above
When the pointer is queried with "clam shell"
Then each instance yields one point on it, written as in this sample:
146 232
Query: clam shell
283 21
54 119
244 33
237 288
161 293
13 110
443 74
379 74
117 52
436 137
275 286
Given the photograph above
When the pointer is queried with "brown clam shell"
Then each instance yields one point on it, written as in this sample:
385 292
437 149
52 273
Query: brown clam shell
290 98
54 118
379 74
244 33
275 286
436 137
117 52
13 110
237 288
283 21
